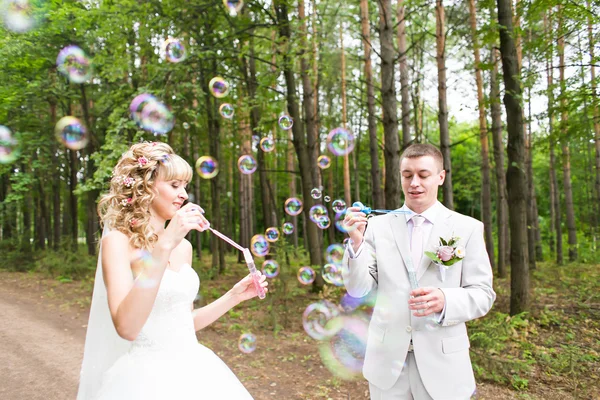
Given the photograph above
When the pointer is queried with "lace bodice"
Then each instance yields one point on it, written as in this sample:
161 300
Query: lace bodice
170 324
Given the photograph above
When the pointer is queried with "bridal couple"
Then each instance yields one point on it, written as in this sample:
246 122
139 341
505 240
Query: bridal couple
141 337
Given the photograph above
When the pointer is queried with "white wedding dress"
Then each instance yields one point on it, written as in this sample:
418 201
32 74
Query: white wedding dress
166 361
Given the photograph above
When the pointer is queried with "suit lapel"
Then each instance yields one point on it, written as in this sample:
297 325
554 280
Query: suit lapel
400 232
441 228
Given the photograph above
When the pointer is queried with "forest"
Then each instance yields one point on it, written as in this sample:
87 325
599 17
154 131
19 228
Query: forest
291 111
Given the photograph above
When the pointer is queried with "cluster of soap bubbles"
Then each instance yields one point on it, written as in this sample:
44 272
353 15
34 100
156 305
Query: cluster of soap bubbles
151 114
74 64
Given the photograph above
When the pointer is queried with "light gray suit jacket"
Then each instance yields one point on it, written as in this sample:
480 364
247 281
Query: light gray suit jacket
442 353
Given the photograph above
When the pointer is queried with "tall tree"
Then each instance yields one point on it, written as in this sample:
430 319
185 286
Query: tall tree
595 109
554 196
498 144
566 153
486 192
391 151
347 192
515 176
377 193
440 46
299 141
403 61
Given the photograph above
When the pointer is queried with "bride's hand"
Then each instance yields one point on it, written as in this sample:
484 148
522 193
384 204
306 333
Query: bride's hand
244 289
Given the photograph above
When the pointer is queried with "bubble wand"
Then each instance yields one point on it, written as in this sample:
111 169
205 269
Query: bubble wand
249 262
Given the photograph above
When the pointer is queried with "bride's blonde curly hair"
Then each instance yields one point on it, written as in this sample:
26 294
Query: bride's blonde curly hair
126 207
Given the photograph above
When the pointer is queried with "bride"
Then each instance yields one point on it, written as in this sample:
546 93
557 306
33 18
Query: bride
141 337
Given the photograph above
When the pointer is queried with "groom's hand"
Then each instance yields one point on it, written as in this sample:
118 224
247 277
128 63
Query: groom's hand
425 301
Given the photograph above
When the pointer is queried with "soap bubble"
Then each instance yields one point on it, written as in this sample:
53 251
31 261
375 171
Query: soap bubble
157 118
327 199
186 125
138 104
315 193
344 352
340 141
247 164
72 133
218 87
259 246
338 205
286 122
324 162
316 316
334 253
226 110
247 343
316 212
233 6
288 228
333 274
19 16
324 222
306 275
8 146
340 222
272 234
207 167
270 268
73 63
267 144
174 50
293 206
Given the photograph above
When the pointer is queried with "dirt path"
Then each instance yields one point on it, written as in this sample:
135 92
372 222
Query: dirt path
42 338
41 347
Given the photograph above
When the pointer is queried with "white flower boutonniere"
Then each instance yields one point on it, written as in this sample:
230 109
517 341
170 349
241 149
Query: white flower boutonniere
446 254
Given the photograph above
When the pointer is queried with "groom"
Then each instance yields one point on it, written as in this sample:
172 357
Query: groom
418 347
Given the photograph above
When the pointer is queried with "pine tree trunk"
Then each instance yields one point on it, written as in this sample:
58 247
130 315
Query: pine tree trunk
315 251
291 166
440 44
25 245
486 192
566 155
56 200
596 111
515 176
404 87
347 191
389 105
376 191
197 192
556 222
73 206
308 101
497 133
92 195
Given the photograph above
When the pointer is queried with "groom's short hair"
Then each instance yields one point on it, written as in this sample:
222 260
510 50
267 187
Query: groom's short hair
421 150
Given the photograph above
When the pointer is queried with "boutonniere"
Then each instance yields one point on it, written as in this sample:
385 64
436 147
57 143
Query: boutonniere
446 254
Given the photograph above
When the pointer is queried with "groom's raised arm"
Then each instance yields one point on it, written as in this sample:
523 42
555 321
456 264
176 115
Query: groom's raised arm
359 269
475 296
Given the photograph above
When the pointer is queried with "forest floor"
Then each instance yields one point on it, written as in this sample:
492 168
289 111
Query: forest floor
44 324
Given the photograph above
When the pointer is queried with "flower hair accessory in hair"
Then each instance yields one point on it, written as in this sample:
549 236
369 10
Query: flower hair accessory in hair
133 222
126 202
129 181
142 161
